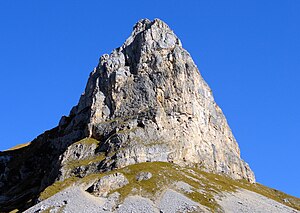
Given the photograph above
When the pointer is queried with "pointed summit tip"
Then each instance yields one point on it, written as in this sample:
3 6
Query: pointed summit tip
145 23
153 34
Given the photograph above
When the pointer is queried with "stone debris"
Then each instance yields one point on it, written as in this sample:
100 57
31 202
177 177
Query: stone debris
143 176
111 202
172 201
182 186
137 204
249 202
71 200
108 183
75 199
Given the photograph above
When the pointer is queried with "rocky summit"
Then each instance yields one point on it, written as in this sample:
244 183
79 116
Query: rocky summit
146 119
147 101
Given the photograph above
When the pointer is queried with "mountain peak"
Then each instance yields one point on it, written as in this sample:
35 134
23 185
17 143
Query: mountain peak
146 24
154 34
144 102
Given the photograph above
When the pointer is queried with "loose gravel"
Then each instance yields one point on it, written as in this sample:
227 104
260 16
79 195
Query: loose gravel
250 202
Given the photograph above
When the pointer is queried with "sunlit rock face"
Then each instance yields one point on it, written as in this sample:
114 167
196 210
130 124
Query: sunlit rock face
144 102
147 101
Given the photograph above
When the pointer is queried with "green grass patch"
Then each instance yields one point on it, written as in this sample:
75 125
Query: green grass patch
77 163
87 141
57 187
164 175
204 185
19 146
222 183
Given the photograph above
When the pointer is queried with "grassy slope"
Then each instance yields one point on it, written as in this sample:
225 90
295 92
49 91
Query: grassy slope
205 185
19 146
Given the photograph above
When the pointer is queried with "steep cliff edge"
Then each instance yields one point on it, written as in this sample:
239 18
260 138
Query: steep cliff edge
145 102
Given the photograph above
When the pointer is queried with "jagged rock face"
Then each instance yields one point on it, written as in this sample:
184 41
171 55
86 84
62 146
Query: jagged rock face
147 101
108 183
144 102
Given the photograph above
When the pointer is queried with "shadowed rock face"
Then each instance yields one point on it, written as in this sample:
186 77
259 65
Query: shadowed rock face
146 101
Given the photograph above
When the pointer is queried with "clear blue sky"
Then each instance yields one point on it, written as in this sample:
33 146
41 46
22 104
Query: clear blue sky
248 52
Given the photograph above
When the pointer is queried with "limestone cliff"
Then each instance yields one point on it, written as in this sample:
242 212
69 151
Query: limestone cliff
147 101
144 102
